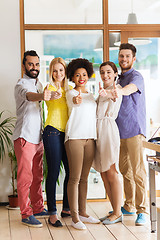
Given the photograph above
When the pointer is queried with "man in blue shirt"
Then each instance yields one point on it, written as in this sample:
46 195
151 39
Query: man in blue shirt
131 122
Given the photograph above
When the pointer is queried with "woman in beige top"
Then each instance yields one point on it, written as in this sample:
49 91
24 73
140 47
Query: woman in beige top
108 141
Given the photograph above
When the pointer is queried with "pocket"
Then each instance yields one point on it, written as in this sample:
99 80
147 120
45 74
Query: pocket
51 131
23 142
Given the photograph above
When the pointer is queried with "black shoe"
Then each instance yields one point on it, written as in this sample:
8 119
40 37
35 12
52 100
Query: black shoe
56 224
63 214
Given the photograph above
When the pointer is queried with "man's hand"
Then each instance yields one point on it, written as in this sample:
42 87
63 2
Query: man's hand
78 98
33 97
46 94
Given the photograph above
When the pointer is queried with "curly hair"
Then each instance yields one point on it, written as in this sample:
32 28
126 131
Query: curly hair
79 63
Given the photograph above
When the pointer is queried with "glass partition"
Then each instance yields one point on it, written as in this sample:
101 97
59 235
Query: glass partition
114 38
63 12
148 63
69 45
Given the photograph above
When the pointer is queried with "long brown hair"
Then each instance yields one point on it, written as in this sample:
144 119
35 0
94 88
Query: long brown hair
112 64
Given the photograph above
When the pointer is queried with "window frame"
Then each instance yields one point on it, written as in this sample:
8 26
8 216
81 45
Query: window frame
126 30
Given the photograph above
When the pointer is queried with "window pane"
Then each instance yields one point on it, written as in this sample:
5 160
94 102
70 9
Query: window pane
68 45
148 63
114 40
119 11
63 11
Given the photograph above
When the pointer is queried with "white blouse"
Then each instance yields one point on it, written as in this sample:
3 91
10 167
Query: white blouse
82 117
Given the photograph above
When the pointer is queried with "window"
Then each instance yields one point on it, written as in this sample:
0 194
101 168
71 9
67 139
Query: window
63 12
134 11
92 29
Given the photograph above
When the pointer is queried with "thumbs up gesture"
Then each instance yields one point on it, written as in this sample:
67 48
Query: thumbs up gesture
102 92
46 93
78 98
111 94
59 88
57 94
115 91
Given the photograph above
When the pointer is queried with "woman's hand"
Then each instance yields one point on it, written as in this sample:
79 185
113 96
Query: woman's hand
111 94
78 98
102 92
56 94
116 92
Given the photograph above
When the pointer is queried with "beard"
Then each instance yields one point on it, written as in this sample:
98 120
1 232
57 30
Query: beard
31 73
128 67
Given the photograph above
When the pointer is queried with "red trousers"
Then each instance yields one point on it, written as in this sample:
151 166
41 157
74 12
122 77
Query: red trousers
29 176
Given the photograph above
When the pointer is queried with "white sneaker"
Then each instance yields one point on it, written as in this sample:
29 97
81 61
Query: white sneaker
89 219
79 225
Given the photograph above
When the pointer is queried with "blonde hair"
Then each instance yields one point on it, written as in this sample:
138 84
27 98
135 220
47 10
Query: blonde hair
52 63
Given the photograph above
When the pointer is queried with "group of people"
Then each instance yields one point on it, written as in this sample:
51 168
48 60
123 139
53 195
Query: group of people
105 134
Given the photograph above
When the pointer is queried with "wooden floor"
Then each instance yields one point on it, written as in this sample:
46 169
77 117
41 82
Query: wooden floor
12 229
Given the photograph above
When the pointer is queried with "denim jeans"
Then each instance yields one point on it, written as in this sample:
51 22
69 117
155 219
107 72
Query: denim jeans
53 140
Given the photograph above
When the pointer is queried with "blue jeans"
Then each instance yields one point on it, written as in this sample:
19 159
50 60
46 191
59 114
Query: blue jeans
53 140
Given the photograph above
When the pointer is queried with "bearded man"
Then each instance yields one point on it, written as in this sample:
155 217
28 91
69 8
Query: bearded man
131 122
27 138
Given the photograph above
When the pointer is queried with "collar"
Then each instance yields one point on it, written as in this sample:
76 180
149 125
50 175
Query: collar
110 87
122 75
34 80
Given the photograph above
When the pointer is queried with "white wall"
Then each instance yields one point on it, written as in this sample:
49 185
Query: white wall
10 71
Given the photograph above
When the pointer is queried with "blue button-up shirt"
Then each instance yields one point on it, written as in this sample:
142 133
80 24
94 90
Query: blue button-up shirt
131 119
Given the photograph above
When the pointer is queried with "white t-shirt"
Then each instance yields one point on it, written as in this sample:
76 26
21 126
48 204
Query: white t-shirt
82 117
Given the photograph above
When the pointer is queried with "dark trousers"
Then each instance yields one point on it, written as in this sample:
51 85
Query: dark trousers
53 140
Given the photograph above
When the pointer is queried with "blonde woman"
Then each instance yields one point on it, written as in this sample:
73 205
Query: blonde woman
53 138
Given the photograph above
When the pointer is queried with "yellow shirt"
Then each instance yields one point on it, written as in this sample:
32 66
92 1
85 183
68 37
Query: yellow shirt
57 111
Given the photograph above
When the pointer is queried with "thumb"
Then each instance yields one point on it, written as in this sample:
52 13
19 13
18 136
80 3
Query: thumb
79 93
100 87
47 86
59 87
114 85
